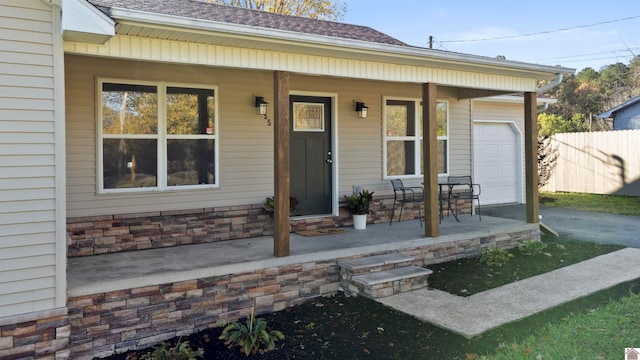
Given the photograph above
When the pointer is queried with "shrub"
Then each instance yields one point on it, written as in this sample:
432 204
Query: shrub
495 256
529 247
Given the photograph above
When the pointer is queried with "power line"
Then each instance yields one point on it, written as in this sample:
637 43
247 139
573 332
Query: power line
627 50
542 32
597 58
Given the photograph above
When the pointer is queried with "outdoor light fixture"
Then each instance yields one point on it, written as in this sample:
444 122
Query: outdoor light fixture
261 105
361 110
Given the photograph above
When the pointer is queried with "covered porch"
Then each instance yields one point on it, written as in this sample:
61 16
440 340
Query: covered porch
129 300
110 272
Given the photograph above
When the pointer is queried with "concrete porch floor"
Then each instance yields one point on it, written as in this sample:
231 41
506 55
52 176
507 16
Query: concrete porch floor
111 272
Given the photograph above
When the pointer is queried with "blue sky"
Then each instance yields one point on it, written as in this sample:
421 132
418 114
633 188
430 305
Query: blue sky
412 21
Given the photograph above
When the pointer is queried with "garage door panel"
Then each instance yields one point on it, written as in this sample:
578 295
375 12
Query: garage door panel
495 162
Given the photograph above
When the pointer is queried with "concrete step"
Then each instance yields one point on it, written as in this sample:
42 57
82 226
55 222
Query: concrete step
385 283
381 277
374 263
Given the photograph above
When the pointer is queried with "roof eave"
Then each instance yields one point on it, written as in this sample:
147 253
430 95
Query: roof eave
404 53
81 21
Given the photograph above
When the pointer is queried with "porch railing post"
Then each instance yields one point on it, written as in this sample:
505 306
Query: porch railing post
282 170
430 160
531 156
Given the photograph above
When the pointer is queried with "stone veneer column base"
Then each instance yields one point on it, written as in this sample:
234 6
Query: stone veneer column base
39 335
94 235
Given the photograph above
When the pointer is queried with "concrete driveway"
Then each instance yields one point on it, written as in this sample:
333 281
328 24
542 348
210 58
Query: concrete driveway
579 225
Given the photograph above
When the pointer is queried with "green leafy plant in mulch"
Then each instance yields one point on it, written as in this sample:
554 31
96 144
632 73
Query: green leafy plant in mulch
252 335
179 351
495 256
529 247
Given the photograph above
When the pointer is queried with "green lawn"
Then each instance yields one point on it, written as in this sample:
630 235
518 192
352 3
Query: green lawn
613 204
601 333
468 276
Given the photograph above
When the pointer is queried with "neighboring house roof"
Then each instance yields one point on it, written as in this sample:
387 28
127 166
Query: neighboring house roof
201 10
610 113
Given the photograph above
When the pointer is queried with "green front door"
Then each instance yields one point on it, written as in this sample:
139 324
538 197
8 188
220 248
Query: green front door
311 157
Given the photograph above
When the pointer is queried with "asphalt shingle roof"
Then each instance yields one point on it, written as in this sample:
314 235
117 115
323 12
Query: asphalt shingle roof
194 9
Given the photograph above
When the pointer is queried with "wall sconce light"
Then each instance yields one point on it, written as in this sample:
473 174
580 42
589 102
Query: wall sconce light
361 110
261 106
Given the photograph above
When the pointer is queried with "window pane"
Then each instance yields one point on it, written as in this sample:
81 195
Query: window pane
190 111
442 157
441 113
400 118
308 117
400 158
130 163
190 162
441 116
129 109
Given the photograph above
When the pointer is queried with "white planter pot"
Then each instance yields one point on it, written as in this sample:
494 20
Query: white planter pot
359 222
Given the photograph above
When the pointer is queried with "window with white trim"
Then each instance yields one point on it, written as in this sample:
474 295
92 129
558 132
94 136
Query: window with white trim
403 138
156 136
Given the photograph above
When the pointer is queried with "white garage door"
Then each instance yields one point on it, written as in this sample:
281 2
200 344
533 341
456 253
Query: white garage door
496 162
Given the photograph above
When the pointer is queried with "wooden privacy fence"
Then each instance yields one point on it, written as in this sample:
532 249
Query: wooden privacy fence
606 162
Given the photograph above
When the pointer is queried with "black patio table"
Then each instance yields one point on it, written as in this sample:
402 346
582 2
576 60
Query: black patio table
450 186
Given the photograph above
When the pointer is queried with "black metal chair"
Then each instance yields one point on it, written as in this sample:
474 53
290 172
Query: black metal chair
403 195
465 190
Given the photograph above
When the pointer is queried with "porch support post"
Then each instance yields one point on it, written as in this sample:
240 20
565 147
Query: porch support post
430 159
531 156
282 167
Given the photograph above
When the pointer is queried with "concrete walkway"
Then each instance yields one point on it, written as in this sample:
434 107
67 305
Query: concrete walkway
473 315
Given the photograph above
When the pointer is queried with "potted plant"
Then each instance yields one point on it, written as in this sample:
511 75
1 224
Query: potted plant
269 204
358 205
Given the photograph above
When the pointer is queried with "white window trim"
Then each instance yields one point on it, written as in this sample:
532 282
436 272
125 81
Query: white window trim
418 138
161 137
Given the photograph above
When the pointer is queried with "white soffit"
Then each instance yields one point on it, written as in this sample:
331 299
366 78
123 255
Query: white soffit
166 27
83 22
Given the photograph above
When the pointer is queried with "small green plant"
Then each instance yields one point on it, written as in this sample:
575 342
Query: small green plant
358 204
495 256
269 205
529 247
251 335
180 351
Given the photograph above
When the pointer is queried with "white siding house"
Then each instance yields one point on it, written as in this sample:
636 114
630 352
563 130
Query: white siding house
32 198
70 185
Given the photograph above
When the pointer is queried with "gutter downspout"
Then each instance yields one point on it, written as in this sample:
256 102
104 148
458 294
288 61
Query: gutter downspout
542 108
551 85
546 87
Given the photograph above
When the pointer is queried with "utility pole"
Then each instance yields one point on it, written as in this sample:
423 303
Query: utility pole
430 42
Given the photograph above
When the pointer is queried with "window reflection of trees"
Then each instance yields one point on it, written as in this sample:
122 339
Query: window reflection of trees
131 135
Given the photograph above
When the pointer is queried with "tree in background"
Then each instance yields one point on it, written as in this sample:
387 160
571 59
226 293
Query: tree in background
547 160
583 96
550 124
313 9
